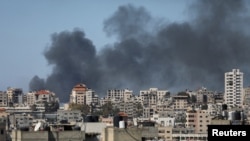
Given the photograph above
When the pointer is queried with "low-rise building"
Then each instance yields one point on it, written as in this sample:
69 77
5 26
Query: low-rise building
69 115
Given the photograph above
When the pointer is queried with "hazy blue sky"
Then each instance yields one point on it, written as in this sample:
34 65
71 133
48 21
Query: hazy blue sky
26 27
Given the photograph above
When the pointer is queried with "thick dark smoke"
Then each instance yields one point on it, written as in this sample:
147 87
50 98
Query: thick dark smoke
73 58
173 56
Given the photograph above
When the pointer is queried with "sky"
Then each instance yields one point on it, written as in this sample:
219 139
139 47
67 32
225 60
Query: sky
26 28
170 44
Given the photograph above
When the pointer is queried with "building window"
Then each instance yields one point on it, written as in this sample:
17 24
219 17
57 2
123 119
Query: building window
2 132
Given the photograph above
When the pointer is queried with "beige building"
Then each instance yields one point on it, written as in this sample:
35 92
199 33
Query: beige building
14 95
180 102
18 135
80 94
187 134
198 119
129 134
40 96
165 133
204 96
220 122
152 96
30 98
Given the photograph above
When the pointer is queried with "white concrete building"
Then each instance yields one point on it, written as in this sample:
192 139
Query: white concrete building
152 96
163 121
234 88
119 94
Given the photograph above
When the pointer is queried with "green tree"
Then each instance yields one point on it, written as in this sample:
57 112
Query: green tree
85 109
109 109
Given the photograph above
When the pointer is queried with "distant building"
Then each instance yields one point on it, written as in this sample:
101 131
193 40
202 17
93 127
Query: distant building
14 96
152 96
246 95
180 102
198 119
165 133
234 88
119 94
163 121
40 97
128 107
3 99
69 116
20 120
80 94
204 96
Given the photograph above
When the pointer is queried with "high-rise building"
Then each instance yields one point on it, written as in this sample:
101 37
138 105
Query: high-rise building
233 94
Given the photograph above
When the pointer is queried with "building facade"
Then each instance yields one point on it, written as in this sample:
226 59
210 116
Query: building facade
82 95
234 88
14 96
3 99
152 96
119 94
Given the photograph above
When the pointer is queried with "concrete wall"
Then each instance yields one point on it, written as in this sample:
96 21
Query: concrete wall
128 134
18 135
2 131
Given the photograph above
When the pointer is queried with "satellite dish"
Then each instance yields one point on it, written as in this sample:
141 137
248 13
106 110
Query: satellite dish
38 125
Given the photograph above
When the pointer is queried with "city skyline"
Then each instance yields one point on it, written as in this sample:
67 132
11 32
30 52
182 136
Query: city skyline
205 40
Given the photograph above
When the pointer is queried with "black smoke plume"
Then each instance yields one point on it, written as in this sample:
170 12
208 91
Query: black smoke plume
173 56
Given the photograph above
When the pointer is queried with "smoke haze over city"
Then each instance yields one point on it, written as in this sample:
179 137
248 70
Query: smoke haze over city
149 52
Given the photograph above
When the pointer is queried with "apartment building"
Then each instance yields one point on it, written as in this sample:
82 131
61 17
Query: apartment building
152 96
180 102
80 94
91 97
20 120
40 97
246 96
234 88
3 99
163 121
198 119
119 94
14 96
69 115
204 96
165 133
128 107
30 98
